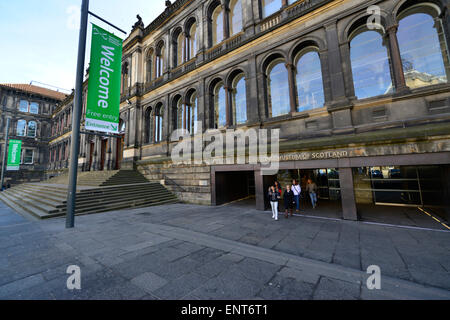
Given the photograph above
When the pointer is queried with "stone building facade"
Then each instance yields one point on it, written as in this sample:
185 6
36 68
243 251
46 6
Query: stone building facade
359 90
30 110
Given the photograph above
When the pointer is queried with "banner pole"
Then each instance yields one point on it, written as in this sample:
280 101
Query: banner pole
76 118
4 152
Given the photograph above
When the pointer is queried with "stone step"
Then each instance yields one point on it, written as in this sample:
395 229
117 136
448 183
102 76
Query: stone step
43 199
93 201
119 190
126 205
30 207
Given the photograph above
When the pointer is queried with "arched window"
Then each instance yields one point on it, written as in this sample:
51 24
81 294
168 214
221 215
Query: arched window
148 133
192 112
179 42
31 129
149 66
239 99
160 60
235 16
422 47
21 128
180 120
278 88
158 123
270 7
217 25
370 64
309 80
220 114
192 42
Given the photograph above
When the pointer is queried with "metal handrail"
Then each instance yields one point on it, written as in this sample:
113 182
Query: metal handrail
173 182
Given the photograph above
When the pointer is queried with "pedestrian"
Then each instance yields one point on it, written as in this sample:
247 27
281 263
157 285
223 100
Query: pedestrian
311 188
274 196
277 186
288 198
297 190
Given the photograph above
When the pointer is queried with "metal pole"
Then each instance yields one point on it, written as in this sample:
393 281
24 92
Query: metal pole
4 152
76 117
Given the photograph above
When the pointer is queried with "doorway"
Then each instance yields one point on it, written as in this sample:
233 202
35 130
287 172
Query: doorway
103 154
119 152
233 186
91 155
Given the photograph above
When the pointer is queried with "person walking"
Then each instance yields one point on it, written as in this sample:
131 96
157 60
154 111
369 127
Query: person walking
297 190
274 196
311 188
288 198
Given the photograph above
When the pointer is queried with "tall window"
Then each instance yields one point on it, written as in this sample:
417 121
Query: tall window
149 66
31 130
180 113
217 25
158 123
27 156
239 99
278 88
180 48
23 106
21 128
422 48
235 17
220 114
160 61
309 81
370 64
148 133
270 7
34 107
192 41
193 113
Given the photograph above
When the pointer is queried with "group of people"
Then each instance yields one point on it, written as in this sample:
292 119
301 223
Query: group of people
291 197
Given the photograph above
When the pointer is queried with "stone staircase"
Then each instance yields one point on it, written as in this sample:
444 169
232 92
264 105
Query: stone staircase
95 193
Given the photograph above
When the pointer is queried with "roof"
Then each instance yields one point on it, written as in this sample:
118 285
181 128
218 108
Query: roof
36 90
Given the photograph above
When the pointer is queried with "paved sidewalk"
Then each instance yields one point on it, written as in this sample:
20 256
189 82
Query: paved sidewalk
194 252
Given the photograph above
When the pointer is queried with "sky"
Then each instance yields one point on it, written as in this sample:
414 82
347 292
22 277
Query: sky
39 38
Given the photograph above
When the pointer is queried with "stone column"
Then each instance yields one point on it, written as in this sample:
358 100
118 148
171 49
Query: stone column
259 190
226 20
347 194
228 106
292 94
397 65
251 87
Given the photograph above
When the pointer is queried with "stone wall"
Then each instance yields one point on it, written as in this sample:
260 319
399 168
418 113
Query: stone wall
192 184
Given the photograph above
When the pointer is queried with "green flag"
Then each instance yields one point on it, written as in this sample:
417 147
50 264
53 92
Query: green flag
103 102
14 151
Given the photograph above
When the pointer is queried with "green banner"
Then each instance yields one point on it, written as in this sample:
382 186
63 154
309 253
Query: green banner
14 152
103 102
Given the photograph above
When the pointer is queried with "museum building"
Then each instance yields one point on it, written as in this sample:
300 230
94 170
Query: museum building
358 89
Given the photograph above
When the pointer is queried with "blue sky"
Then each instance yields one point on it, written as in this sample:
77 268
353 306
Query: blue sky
39 38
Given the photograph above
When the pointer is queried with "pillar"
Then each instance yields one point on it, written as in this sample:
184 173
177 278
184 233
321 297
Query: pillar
347 194
259 190
397 65
292 93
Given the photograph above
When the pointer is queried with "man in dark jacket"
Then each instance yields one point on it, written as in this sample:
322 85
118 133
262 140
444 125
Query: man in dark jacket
288 197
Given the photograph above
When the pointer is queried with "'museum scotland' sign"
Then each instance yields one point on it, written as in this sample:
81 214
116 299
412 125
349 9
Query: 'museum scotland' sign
103 102
14 151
